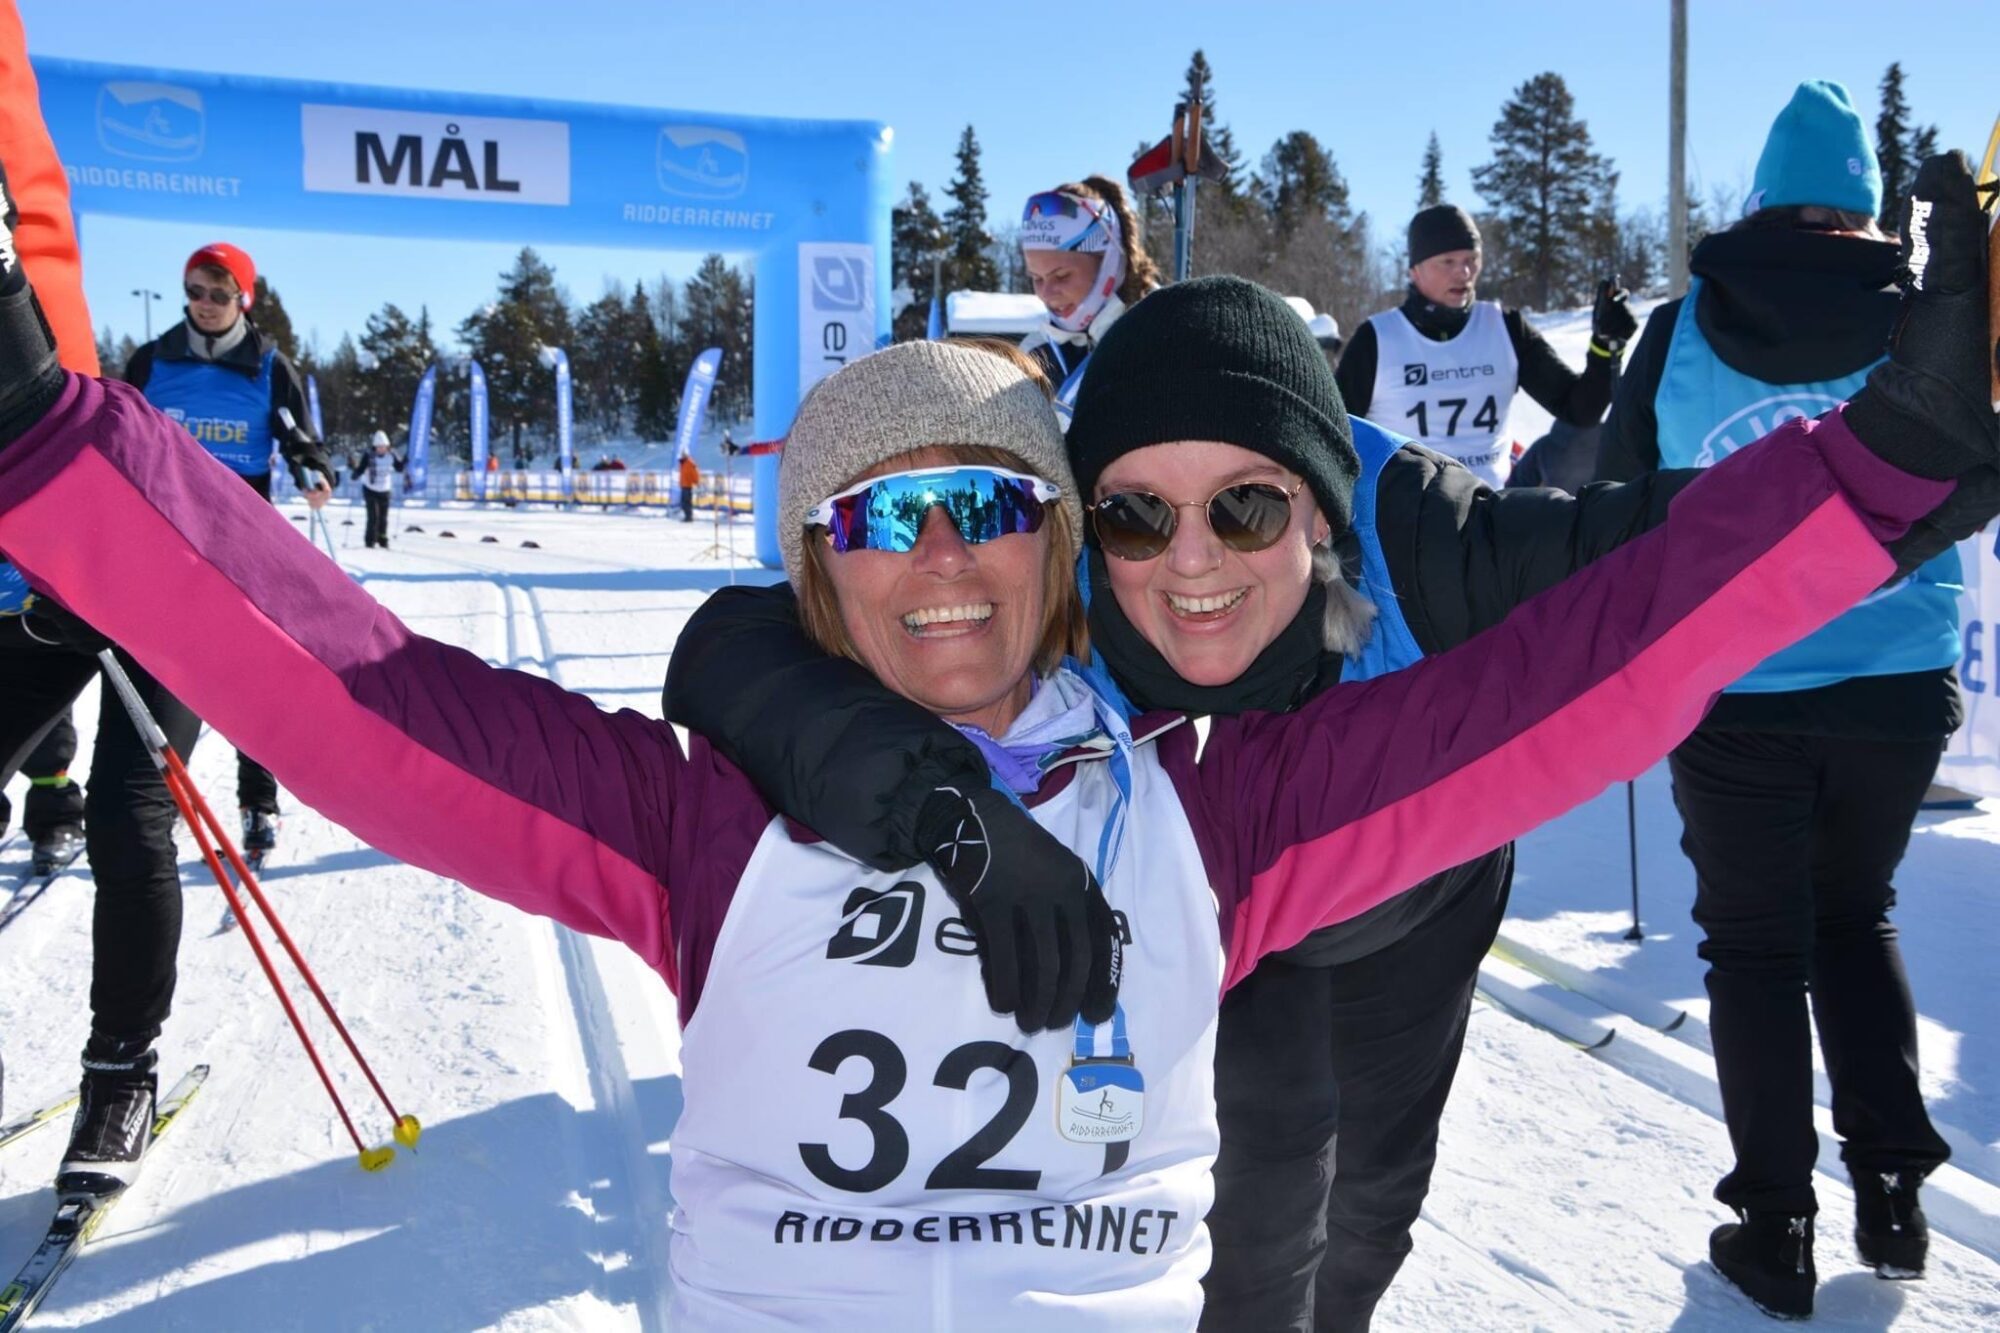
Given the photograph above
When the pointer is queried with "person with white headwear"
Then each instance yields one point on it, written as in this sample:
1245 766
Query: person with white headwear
1084 255
377 470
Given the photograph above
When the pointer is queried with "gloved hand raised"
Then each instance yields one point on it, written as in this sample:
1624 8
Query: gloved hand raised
1927 408
1612 322
1048 944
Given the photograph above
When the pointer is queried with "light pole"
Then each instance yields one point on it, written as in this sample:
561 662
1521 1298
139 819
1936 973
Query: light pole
146 304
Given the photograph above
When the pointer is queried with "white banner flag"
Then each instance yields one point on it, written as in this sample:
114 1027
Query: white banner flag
1972 759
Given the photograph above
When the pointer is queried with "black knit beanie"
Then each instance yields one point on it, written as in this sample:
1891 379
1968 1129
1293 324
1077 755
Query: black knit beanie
1441 228
1216 359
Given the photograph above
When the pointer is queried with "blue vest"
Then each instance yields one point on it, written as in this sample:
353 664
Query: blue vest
14 595
227 413
1390 646
1708 411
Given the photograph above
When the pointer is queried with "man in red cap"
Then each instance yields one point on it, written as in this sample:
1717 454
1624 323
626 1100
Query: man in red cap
226 381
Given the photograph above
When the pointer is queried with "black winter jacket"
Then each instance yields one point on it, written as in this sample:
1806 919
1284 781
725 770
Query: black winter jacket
838 751
1787 307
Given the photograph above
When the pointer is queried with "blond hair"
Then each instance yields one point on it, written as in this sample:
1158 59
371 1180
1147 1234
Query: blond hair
1142 275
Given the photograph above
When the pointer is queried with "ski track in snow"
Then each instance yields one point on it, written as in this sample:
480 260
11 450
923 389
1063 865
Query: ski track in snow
1572 1189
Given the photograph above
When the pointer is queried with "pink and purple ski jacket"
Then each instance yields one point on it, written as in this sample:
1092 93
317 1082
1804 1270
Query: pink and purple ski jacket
600 821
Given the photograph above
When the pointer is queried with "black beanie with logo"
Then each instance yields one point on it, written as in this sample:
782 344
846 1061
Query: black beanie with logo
1439 229
1216 359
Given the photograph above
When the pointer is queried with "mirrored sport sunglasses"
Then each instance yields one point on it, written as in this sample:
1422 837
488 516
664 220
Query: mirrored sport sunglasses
211 295
887 513
1138 525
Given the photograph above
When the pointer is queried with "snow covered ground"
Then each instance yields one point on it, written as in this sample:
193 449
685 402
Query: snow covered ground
1572 1191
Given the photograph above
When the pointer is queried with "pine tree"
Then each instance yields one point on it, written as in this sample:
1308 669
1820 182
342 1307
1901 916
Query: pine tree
267 312
716 312
1549 191
1299 180
1430 182
397 350
918 237
1892 144
653 387
968 267
507 339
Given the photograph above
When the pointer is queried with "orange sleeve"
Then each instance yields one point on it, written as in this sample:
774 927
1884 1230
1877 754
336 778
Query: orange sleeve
46 236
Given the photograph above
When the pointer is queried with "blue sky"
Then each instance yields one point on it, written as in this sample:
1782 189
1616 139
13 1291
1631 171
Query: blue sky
1050 101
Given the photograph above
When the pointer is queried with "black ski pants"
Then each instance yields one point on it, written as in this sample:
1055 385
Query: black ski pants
1329 1084
378 517
53 800
1794 840
129 823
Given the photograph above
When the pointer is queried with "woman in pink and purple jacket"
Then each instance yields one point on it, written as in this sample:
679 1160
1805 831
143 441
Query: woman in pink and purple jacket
865 1141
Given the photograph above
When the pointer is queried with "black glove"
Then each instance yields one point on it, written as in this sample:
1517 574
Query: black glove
30 378
1612 322
1974 501
1048 944
1927 409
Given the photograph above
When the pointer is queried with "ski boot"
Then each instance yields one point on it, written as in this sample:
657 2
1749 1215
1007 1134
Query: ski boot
114 1117
1889 1227
260 833
56 849
1768 1256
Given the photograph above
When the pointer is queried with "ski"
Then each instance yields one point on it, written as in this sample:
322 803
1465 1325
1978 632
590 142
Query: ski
1515 991
31 887
22 1126
1609 992
78 1218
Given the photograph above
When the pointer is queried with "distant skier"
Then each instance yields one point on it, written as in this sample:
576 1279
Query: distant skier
1443 366
377 469
1799 790
1088 264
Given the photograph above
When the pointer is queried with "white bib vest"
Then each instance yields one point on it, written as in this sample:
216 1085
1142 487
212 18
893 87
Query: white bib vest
1451 396
867 1145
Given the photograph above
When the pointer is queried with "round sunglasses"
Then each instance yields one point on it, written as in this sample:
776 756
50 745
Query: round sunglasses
1249 516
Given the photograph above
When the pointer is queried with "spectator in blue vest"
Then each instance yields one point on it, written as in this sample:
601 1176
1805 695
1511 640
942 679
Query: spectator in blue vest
1799 791
227 383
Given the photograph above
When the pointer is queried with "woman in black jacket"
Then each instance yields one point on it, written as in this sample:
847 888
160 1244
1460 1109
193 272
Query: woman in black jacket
1334 1060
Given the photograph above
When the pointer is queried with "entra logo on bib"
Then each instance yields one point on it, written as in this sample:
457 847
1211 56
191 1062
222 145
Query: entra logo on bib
880 929
1415 375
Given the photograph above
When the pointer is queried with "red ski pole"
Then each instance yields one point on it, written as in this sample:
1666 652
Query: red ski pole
407 1128
174 774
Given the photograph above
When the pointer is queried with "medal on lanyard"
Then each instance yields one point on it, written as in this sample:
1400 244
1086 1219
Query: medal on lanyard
1101 1097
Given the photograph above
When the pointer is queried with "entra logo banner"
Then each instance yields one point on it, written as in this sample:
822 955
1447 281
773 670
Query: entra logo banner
476 159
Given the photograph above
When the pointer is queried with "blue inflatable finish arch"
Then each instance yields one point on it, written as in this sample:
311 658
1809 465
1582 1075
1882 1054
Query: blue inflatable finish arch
808 199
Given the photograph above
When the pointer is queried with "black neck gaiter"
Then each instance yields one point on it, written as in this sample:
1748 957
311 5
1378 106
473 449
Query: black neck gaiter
1434 321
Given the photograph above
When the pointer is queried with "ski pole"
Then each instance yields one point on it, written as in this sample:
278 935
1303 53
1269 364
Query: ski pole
407 1128
185 797
1632 843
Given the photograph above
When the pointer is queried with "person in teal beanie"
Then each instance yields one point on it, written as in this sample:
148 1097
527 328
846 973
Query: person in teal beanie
1798 792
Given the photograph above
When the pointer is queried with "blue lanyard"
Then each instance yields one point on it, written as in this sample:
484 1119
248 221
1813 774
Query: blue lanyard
1087 1035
